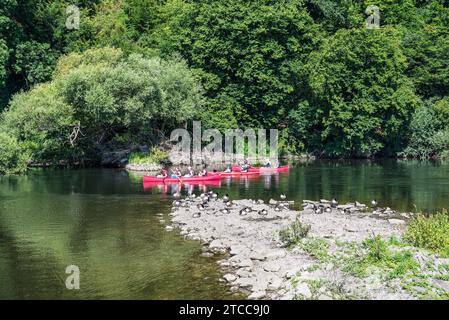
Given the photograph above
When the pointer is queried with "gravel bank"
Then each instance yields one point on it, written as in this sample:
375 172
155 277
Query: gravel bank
259 265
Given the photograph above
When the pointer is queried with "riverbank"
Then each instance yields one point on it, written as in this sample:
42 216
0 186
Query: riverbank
347 252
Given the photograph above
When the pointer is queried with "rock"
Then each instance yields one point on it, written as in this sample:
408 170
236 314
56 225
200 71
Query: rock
234 289
216 245
275 284
242 272
144 167
288 296
229 277
236 249
396 221
223 263
257 256
405 215
257 295
168 228
272 267
207 254
245 263
302 290
275 254
246 283
441 284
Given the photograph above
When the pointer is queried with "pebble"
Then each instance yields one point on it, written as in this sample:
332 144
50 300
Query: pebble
272 267
396 221
303 290
229 277
257 295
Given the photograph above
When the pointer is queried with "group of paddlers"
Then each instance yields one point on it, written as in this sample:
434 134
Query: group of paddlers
177 173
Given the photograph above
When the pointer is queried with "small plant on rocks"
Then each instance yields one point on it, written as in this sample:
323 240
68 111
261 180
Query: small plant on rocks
293 234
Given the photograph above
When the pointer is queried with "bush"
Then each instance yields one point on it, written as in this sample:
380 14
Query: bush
294 233
426 141
155 155
41 122
12 157
430 232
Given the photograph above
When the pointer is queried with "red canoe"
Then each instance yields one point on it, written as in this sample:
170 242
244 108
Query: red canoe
182 179
211 183
262 169
238 174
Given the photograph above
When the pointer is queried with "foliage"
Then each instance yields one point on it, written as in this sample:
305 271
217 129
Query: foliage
35 61
430 232
41 122
4 54
361 98
12 158
156 155
107 95
307 67
248 53
426 140
293 234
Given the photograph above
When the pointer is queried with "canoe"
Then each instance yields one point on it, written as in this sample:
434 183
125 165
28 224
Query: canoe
262 169
181 179
211 183
239 174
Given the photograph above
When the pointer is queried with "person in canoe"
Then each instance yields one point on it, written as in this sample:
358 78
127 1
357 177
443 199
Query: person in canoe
163 173
204 172
190 172
245 166
228 169
267 163
176 173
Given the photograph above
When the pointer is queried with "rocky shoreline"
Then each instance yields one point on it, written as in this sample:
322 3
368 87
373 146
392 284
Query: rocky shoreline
259 264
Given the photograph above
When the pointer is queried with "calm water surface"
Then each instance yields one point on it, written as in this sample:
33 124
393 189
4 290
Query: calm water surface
105 222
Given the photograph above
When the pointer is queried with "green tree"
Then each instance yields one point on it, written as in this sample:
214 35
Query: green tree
98 97
35 61
248 54
360 97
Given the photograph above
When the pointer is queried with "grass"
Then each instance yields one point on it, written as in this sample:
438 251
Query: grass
375 253
155 155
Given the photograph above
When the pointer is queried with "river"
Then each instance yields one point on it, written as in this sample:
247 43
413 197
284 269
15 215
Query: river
105 221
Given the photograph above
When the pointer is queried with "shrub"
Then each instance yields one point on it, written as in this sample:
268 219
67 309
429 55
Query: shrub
424 142
430 232
41 122
155 155
293 234
12 157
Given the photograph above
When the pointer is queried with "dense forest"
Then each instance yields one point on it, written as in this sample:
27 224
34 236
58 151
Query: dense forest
136 69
